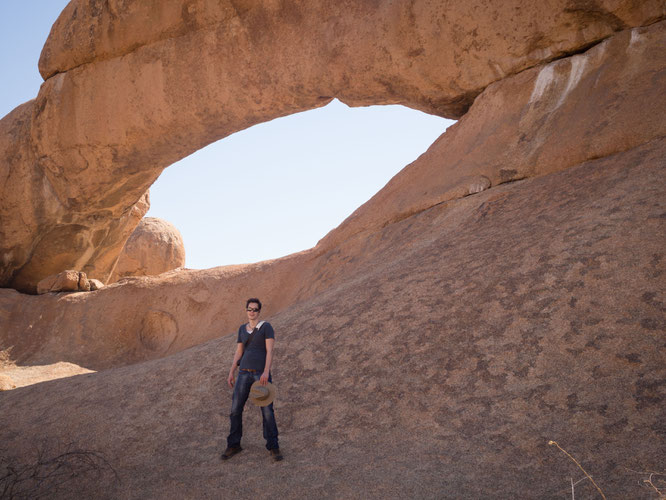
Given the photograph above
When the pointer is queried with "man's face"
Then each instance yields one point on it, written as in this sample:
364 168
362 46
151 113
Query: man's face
252 311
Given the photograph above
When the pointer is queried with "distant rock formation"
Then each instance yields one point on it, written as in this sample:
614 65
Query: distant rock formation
155 246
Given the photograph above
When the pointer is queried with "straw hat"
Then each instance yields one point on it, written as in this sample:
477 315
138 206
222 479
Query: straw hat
262 395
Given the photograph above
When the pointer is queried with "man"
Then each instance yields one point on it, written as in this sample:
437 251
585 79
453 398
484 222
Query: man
255 352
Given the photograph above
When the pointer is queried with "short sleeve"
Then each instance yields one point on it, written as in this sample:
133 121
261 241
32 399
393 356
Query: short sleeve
269 332
239 340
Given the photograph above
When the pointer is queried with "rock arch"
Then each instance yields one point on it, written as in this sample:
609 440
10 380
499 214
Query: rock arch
527 312
124 98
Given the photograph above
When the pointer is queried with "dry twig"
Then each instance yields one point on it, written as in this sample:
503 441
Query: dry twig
650 483
580 467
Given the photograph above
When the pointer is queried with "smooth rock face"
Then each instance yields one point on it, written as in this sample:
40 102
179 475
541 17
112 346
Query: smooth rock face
540 121
116 108
145 317
439 366
154 247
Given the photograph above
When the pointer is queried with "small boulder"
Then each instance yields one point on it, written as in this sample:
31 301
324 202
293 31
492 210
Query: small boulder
65 281
95 284
154 247
84 283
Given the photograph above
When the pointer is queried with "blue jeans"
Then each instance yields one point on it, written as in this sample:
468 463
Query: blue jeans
241 393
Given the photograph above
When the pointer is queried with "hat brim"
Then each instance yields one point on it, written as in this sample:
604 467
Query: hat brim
258 396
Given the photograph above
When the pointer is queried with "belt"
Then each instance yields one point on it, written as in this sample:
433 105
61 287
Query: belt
248 370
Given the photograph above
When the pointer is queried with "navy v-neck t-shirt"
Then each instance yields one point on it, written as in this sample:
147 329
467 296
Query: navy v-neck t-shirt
254 357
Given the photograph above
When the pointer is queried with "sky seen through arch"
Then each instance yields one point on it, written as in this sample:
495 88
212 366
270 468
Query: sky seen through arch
278 187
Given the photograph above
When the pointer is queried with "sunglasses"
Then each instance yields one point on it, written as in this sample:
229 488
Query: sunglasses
252 309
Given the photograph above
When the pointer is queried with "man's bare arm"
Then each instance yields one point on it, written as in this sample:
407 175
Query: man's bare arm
269 361
234 364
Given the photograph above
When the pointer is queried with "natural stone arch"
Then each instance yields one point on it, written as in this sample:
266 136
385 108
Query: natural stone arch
123 100
508 134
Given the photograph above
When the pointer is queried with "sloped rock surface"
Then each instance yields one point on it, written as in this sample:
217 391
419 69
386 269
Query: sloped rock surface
143 317
117 108
476 332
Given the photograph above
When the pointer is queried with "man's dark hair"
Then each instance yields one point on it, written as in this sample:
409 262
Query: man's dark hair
253 300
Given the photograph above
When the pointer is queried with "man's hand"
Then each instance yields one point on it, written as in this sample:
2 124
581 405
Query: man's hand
230 379
263 380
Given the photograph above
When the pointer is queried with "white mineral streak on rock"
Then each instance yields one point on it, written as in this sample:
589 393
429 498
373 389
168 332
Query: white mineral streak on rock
543 81
636 37
51 200
85 237
498 70
478 184
578 64
59 79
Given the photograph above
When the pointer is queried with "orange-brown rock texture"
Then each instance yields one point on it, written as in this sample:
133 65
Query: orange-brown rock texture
504 290
125 97
503 137
540 121
476 332
155 247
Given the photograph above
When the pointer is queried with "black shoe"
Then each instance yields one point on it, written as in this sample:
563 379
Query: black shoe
276 455
230 452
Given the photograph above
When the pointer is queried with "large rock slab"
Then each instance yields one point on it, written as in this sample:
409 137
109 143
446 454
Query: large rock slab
540 121
371 46
474 333
156 246
143 317
125 98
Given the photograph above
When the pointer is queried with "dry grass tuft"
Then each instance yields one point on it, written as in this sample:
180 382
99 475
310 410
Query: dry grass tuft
53 468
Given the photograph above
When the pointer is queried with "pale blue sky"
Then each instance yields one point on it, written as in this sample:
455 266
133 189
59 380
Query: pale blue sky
267 191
